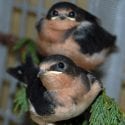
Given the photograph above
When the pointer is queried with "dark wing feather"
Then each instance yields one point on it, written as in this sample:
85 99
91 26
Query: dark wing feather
40 98
93 38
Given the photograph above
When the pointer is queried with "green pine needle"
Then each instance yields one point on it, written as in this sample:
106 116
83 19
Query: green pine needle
30 47
21 103
105 111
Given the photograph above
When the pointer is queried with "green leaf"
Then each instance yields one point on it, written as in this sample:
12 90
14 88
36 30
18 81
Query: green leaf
30 47
105 111
21 102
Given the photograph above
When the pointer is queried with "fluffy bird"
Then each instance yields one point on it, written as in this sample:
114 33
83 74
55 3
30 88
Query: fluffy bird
71 31
58 89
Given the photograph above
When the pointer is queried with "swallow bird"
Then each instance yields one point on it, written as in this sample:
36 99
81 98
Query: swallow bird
73 32
57 89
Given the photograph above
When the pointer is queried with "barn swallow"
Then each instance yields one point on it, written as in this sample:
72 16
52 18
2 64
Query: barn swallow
73 32
57 89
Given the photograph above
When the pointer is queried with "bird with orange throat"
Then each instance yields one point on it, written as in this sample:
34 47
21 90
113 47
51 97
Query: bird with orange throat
56 90
71 31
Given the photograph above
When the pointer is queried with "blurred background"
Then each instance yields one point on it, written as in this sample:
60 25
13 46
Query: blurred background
18 19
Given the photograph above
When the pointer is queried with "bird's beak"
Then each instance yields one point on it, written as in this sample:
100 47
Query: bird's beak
62 17
41 72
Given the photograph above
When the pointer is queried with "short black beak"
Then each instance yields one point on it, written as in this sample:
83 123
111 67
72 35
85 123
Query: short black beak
62 17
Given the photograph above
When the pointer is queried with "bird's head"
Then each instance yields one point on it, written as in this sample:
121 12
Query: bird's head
65 15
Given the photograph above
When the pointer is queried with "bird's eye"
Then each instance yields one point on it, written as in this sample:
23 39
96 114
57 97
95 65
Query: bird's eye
61 65
55 13
72 14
